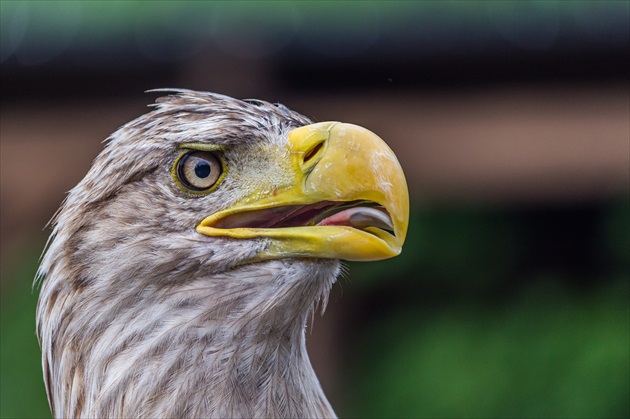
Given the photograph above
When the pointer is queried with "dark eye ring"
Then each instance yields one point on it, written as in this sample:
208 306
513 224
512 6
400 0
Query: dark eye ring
198 171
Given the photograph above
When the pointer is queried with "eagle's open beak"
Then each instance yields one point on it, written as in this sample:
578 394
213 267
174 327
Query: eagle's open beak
349 200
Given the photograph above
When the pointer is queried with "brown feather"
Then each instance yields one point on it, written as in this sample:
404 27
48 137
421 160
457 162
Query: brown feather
140 316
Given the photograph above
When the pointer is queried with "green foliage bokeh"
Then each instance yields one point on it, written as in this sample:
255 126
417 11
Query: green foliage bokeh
476 329
22 393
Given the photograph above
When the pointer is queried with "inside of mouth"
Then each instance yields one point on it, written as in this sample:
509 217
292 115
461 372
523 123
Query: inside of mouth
356 214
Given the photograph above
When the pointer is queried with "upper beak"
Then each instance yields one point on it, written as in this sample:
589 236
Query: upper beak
332 163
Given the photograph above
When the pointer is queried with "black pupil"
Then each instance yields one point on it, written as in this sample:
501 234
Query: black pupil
202 169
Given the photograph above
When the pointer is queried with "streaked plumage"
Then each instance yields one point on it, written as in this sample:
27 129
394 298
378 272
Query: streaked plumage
140 315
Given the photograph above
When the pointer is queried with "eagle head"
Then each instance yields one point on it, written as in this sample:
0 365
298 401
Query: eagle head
182 269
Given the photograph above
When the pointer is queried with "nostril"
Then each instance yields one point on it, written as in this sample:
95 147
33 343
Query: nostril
313 152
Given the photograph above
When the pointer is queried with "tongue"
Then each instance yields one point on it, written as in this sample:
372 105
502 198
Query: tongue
360 217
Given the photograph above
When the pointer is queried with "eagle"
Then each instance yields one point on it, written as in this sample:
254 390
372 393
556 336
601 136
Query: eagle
182 270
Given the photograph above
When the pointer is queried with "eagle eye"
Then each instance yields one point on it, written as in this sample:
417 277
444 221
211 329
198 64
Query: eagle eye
198 171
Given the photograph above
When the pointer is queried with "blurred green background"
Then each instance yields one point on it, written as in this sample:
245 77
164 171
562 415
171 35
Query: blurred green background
511 297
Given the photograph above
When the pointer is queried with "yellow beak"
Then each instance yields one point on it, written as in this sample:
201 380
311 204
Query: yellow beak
332 164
